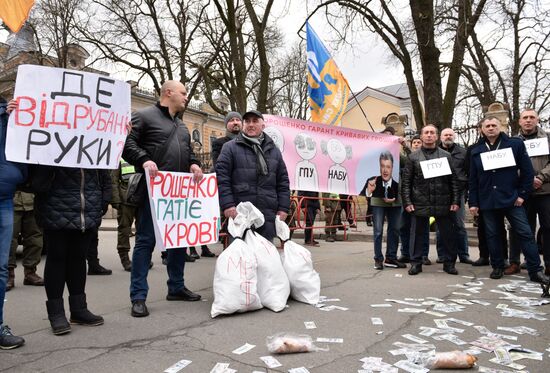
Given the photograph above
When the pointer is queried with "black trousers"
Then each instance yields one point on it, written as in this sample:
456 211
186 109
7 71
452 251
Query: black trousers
310 219
66 261
447 230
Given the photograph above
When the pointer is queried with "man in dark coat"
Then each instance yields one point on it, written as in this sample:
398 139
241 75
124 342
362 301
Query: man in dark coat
151 129
501 179
251 168
426 194
233 125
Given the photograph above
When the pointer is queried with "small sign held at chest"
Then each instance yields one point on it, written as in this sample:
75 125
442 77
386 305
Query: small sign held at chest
536 147
495 159
435 167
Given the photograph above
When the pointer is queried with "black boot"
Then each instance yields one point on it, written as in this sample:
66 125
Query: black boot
193 253
56 315
205 251
94 268
450 268
80 313
125 261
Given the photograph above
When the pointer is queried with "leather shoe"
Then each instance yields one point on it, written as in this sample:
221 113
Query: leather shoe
184 294
31 278
540 277
188 259
497 273
450 268
404 259
466 261
193 253
205 252
415 269
481 262
513 269
439 260
139 309
426 261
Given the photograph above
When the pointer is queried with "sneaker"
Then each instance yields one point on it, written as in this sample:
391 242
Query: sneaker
379 265
394 263
426 261
330 239
513 269
8 340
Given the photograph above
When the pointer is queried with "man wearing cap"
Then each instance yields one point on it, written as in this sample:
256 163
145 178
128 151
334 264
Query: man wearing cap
233 125
251 168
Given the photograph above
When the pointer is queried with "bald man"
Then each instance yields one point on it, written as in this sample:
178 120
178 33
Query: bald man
159 141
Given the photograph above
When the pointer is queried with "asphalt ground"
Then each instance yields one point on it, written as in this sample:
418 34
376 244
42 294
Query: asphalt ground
178 331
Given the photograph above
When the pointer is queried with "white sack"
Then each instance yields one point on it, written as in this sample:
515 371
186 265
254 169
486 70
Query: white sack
305 283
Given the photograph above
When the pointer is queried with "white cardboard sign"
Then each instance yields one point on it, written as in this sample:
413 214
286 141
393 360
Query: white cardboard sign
495 159
536 147
435 167
68 118
184 213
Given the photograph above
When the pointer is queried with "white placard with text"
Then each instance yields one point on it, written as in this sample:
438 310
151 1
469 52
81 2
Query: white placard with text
435 167
500 158
537 147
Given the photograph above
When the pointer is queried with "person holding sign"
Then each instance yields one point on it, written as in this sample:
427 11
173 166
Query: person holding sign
383 191
430 188
251 168
536 141
501 179
11 174
159 141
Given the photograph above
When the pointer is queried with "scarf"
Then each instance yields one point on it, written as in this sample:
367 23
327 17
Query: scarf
255 142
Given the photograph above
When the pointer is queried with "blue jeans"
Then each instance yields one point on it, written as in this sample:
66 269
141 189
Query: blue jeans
141 258
461 234
6 231
517 218
393 214
405 236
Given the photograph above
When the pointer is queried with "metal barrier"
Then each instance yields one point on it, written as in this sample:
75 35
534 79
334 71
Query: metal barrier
298 214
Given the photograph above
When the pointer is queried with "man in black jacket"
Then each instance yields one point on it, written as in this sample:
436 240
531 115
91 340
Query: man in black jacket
458 159
233 125
430 188
151 129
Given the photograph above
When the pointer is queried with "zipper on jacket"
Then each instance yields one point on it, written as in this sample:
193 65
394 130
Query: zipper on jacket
82 202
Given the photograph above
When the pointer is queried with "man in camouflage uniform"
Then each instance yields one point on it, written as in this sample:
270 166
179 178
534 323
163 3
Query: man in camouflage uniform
126 213
24 223
332 210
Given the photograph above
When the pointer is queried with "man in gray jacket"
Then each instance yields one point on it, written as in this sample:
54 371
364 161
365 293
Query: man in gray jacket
536 141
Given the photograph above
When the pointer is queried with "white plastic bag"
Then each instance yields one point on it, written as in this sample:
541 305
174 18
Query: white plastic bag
289 343
305 283
273 285
235 276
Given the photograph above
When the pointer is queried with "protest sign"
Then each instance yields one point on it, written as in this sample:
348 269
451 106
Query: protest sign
68 118
185 213
323 158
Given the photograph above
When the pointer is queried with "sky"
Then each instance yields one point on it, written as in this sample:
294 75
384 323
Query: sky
366 64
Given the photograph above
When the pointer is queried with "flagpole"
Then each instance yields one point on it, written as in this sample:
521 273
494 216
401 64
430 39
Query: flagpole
360 107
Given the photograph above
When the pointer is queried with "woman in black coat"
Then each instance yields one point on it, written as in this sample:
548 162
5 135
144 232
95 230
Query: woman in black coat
69 205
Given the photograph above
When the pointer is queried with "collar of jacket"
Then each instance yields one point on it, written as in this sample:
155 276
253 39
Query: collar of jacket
450 150
539 133
164 110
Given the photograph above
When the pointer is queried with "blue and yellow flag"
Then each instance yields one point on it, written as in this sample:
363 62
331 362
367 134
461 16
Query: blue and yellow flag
327 88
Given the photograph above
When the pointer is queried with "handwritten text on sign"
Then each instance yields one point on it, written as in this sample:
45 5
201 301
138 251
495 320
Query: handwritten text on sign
68 118
435 167
185 213
497 159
